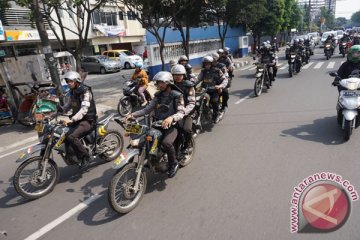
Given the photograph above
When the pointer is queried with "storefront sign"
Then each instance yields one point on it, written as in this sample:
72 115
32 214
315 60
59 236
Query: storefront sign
26 35
111 31
2 35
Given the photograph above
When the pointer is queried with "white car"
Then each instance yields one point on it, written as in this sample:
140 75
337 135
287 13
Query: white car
126 58
325 35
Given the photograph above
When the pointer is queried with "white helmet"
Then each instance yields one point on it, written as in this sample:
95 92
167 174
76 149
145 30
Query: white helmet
215 56
183 58
178 69
207 59
226 49
72 76
220 51
164 76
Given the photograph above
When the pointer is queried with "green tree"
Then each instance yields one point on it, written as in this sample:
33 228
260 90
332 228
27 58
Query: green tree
154 18
80 13
355 18
251 14
340 22
185 14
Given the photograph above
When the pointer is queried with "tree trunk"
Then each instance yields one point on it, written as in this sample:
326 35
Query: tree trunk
49 56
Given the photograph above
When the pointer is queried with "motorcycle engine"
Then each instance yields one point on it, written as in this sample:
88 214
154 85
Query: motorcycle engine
161 165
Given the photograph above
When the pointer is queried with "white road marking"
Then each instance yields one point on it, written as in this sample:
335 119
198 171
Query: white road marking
247 67
318 65
63 218
19 143
284 67
308 65
15 151
331 65
252 68
243 99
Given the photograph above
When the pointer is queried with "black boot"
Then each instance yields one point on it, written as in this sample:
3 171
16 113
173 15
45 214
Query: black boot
173 169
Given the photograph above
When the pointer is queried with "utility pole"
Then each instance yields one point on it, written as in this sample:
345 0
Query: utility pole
309 20
49 56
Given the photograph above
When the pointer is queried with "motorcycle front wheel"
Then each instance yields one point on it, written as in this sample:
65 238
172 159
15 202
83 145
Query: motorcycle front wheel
348 125
121 194
124 107
114 142
290 70
27 179
258 86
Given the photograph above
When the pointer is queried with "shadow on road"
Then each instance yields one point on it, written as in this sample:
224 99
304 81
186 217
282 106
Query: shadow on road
101 212
11 198
15 128
241 93
324 130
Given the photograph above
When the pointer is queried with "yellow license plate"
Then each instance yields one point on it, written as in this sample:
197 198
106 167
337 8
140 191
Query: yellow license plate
133 128
39 127
61 140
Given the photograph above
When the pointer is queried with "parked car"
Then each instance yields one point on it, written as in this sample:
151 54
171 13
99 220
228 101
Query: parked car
100 64
315 37
126 58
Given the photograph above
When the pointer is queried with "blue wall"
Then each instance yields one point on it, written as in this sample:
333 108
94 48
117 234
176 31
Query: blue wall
210 32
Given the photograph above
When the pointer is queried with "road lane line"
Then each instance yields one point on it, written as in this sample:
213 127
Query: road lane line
252 68
243 99
247 67
318 65
19 143
285 66
15 151
42 231
331 65
308 65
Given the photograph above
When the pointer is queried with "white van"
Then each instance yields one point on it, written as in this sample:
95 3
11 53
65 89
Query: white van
325 35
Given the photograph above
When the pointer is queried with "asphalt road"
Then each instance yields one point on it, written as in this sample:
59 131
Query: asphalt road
239 185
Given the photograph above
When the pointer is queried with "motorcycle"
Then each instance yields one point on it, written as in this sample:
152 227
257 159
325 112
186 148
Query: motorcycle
264 76
294 63
130 99
128 184
348 103
328 50
38 173
343 48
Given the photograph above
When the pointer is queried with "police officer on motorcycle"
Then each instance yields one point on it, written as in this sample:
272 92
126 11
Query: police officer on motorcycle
187 89
225 91
215 81
183 60
168 105
83 117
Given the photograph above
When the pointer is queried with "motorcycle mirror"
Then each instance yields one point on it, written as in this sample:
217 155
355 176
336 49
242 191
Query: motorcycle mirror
333 74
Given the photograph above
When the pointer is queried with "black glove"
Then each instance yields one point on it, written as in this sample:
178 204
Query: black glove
335 83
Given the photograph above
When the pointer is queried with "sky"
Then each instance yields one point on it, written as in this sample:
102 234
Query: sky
345 8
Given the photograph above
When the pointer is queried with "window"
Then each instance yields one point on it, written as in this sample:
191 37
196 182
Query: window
131 15
110 54
117 54
121 16
108 18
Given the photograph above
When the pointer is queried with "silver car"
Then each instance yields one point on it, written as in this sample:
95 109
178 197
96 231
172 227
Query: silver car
100 64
